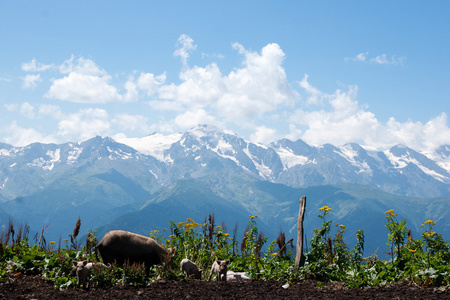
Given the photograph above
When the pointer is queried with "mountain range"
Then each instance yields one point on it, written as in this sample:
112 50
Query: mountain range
140 184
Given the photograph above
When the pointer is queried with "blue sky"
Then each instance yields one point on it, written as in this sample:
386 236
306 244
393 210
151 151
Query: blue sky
375 73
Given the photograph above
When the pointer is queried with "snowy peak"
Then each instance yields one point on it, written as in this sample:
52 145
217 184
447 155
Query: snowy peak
206 150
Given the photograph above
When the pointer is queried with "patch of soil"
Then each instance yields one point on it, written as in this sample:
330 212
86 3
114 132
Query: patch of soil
34 287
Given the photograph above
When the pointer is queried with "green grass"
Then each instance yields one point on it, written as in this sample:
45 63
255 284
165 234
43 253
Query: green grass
425 261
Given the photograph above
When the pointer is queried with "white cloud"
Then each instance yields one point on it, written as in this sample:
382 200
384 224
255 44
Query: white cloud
31 80
359 57
186 44
316 97
131 122
19 136
383 60
34 66
379 59
259 87
150 83
84 124
263 135
190 119
50 110
85 82
27 110
347 121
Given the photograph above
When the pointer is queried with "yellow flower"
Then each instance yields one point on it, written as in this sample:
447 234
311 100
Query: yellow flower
430 222
391 211
52 242
189 220
342 226
412 250
422 225
164 229
218 227
226 234
325 208
230 238
181 224
172 235
65 240
274 254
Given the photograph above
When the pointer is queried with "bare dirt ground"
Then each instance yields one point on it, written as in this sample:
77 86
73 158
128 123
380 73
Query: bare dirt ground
34 287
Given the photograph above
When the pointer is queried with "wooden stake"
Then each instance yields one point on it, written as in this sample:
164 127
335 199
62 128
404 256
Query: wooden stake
299 251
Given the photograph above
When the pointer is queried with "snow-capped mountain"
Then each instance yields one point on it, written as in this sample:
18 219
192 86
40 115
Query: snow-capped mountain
136 184
156 160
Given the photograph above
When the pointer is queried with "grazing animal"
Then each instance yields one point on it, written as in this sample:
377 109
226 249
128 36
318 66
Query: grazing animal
126 247
83 269
191 268
236 276
219 268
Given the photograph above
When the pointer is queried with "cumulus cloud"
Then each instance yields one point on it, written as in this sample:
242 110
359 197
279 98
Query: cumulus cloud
150 83
190 119
347 121
84 124
31 80
19 136
34 66
85 82
257 88
264 135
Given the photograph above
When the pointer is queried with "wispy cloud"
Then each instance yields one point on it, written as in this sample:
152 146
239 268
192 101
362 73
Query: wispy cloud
382 59
186 45
31 80
34 66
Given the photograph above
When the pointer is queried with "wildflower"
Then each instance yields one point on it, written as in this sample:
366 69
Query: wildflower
316 230
189 220
430 222
226 234
325 208
218 227
230 238
391 211
181 224
274 254
52 242
171 236
423 225
164 229
412 250
342 226
65 240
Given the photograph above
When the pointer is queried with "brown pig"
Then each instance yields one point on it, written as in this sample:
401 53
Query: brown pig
122 246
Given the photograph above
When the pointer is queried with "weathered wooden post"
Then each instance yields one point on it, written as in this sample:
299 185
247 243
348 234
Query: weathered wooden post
299 250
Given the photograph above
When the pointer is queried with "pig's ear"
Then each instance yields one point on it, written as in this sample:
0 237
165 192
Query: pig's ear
227 262
75 263
218 262
85 262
